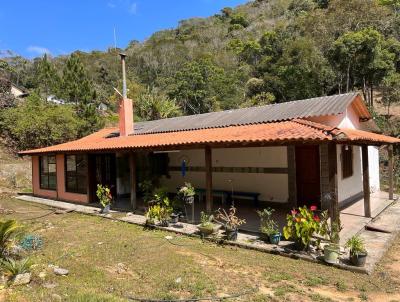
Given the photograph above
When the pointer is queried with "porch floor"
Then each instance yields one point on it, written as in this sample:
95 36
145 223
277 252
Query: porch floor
352 217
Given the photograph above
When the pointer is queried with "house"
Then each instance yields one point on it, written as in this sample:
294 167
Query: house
313 151
18 92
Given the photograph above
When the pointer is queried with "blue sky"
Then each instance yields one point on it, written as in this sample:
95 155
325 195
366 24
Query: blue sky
31 28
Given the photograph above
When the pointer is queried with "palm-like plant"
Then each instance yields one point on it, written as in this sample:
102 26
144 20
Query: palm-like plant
10 231
11 267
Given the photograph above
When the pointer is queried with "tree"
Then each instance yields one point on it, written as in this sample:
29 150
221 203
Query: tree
363 59
391 90
76 88
152 105
37 123
47 77
200 86
7 100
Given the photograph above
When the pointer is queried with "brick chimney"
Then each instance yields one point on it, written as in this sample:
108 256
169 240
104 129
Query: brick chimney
125 106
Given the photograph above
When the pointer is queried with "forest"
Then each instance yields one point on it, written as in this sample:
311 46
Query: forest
262 52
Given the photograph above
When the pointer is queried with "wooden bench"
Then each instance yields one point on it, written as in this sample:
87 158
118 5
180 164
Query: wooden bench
228 195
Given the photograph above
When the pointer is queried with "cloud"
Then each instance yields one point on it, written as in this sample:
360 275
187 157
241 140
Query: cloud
111 5
132 8
38 50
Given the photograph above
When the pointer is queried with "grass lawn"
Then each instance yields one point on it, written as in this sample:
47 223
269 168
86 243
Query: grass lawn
109 261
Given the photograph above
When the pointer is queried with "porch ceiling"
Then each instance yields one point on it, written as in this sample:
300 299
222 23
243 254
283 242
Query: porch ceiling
276 133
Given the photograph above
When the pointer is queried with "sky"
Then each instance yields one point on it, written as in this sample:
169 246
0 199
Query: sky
32 28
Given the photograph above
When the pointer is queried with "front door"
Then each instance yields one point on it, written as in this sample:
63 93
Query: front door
308 176
103 169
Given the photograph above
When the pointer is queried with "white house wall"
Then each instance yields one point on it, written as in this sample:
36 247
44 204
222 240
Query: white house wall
373 157
350 186
272 187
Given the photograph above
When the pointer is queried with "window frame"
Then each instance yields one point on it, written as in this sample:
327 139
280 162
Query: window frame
347 161
76 174
47 174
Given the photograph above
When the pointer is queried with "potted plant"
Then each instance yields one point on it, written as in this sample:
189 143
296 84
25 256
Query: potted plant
332 231
268 227
230 221
301 225
103 193
206 226
358 253
187 192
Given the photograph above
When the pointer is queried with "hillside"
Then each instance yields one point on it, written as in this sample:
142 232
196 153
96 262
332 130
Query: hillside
261 52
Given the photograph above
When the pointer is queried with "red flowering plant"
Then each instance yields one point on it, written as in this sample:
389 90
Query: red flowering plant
301 225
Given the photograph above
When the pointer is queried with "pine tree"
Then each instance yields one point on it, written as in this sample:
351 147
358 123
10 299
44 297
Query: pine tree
76 88
47 77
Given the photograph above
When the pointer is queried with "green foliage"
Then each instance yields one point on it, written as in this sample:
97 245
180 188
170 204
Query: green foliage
330 229
76 88
11 267
206 220
356 245
301 225
187 190
391 90
46 76
199 86
37 123
267 225
103 193
10 233
152 105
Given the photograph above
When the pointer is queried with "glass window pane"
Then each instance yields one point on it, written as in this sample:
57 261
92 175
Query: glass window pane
52 168
71 163
51 159
44 167
81 185
52 181
44 181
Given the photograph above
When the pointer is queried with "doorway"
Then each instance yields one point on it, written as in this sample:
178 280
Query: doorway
308 176
103 171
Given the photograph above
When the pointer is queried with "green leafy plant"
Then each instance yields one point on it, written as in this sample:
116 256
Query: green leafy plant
356 245
103 193
267 225
301 225
187 190
331 230
160 210
11 267
146 187
229 219
206 220
10 233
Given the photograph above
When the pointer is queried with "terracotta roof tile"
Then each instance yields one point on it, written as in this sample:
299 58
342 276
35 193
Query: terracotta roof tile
297 130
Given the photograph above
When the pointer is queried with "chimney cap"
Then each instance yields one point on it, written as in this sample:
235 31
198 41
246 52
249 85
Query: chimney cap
122 55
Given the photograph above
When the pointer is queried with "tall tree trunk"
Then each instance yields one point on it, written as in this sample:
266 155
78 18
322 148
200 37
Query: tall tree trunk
348 78
372 96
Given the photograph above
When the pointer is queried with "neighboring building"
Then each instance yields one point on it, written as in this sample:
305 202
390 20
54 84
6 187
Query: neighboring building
305 152
55 100
18 92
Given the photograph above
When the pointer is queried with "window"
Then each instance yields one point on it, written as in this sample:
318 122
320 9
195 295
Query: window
47 170
347 161
76 174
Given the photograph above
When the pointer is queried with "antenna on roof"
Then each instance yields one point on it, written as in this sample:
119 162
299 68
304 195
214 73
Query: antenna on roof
115 40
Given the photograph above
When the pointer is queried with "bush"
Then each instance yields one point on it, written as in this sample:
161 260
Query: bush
37 123
11 267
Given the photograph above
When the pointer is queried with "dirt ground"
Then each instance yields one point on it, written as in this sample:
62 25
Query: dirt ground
111 261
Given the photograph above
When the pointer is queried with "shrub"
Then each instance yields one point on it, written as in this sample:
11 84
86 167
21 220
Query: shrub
301 225
10 232
11 267
267 225
356 245
103 193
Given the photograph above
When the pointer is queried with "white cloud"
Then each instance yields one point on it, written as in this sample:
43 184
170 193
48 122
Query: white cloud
132 8
38 50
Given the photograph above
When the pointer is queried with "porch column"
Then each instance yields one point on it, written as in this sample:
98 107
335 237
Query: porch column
390 167
333 182
209 196
365 166
132 169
